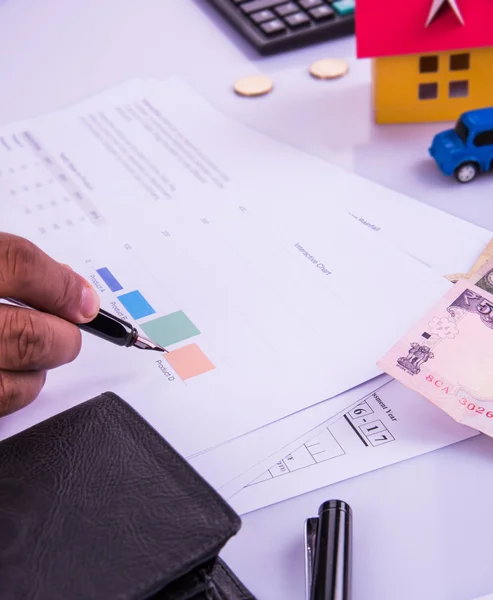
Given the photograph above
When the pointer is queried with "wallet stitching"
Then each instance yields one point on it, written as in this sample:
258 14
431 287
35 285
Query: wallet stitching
171 454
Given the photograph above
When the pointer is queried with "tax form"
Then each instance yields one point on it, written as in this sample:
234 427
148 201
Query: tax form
382 428
256 451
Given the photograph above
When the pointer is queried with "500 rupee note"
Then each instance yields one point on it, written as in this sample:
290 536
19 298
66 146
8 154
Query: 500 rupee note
448 355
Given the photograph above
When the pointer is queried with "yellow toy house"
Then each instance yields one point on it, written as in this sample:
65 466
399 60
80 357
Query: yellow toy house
432 59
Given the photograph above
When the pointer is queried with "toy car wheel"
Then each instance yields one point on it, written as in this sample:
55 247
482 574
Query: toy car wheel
466 172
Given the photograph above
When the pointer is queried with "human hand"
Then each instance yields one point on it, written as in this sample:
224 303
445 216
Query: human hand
33 342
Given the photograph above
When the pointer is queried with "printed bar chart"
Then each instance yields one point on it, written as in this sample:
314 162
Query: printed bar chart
189 361
136 305
110 280
170 329
173 328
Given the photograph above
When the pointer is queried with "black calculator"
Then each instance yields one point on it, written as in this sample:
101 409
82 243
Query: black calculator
277 25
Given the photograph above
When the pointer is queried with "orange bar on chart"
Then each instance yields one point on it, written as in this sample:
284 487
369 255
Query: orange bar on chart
189 361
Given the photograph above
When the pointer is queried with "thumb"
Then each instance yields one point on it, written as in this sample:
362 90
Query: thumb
31 276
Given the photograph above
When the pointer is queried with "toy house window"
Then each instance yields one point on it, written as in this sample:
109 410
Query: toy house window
428 91
460 62
485 138
458 89
428 64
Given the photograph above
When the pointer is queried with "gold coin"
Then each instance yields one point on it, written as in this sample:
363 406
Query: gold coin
254 85
329 68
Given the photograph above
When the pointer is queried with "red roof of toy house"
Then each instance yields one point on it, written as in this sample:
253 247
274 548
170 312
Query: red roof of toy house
398 27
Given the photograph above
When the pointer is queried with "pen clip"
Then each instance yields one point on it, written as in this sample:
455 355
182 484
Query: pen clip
311 529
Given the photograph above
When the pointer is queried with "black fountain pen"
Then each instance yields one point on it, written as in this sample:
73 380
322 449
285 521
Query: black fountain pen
112 329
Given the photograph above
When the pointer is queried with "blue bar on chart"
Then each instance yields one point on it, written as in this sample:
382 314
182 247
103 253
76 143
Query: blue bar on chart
110 280
136 304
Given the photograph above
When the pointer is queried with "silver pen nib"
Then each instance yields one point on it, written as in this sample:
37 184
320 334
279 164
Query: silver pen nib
145 344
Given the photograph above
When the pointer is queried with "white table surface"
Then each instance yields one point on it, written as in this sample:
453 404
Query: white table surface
422 528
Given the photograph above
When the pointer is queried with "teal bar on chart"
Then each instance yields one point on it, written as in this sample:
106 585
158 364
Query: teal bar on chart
170 329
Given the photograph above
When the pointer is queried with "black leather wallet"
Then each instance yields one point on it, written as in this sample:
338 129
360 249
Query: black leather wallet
95 505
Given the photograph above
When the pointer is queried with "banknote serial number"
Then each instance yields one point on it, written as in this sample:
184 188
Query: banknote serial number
475 408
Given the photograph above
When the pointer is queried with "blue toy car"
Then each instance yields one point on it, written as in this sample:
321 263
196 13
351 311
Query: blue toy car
467 149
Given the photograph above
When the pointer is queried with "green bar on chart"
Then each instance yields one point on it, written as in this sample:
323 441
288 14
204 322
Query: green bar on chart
171 329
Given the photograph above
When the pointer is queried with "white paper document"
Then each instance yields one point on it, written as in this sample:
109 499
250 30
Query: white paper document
283 183
384 427
244 296
246 337
272 442
198 150
241 255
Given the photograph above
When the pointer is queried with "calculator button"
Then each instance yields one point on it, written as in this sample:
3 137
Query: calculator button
322 12
309 3
262 15
286 9
344 7
274 26
255 5
299 19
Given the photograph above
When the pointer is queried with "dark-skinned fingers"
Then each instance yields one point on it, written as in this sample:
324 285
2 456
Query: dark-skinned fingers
35 341
31 276
19 389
